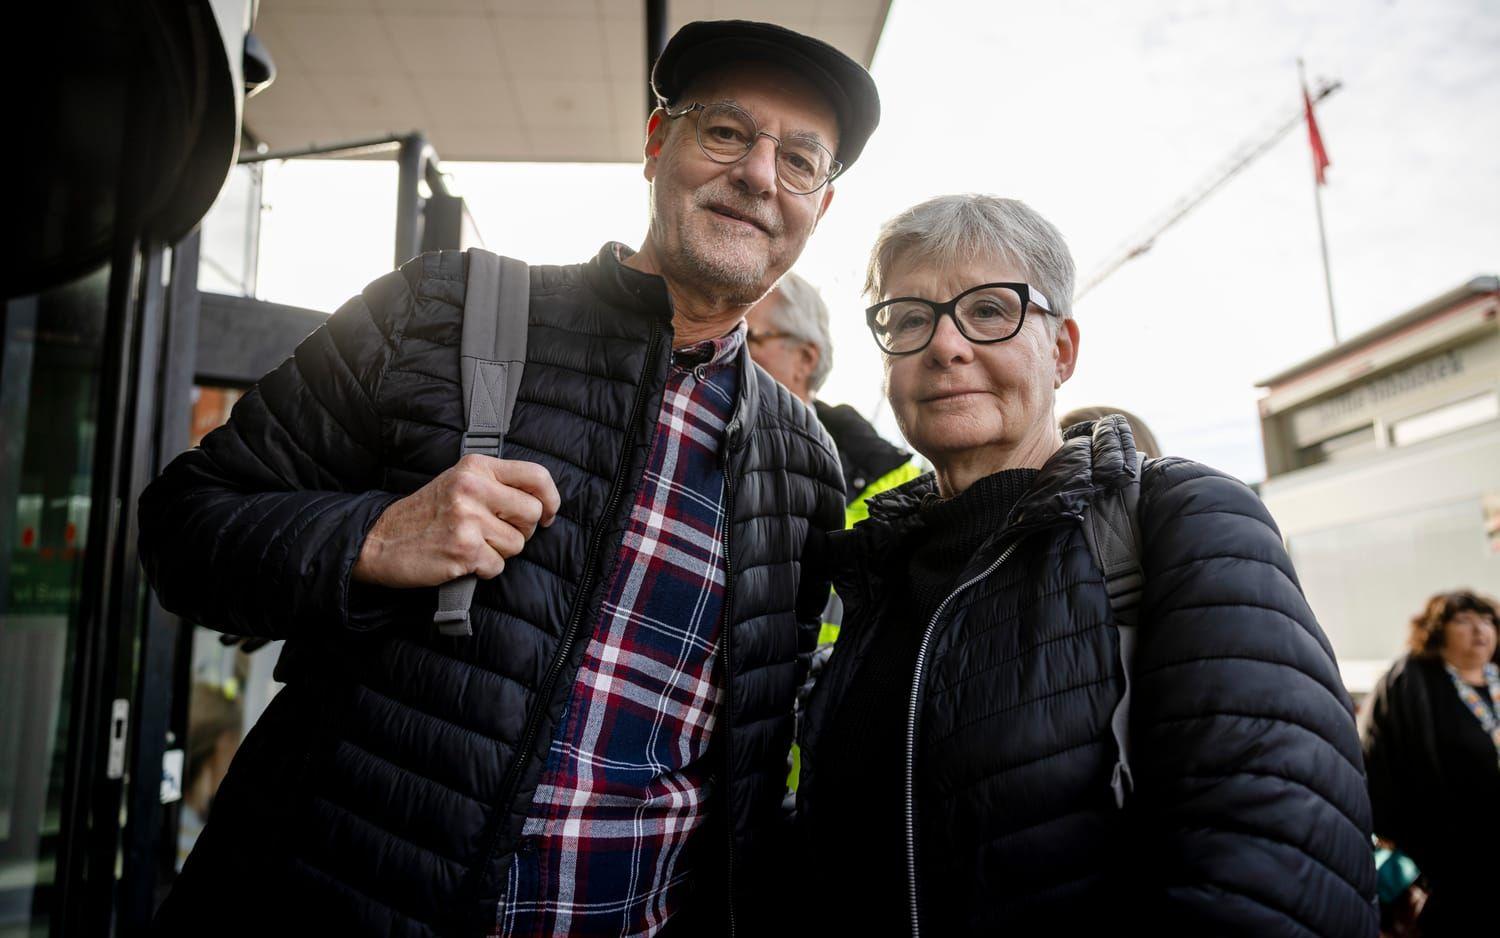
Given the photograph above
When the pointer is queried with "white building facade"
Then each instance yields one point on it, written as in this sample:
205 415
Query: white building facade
1383 471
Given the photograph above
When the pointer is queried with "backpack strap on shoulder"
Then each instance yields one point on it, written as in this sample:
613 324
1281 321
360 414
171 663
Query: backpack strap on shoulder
492 357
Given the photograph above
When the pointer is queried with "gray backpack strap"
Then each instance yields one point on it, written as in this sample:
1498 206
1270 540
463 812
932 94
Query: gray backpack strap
497 299
1113 531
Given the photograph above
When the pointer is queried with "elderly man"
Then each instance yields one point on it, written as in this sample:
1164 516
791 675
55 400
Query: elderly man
605 753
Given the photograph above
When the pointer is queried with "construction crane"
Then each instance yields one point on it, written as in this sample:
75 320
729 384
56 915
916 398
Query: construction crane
1146 236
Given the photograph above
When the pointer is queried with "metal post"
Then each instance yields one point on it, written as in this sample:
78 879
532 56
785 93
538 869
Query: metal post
152 696
1333 323
412 162
348 149
656 40
163 412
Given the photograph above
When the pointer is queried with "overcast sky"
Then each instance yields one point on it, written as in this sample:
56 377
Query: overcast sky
1100 115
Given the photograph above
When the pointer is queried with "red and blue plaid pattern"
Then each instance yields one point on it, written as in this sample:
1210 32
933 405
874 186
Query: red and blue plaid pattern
604 851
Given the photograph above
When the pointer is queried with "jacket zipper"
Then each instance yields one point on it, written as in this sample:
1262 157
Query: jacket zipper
724 630
911 735
575 621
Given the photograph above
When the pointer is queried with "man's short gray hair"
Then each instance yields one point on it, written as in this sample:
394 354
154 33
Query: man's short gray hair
800 311
954 229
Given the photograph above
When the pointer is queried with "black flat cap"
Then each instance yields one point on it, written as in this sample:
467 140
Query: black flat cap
700 46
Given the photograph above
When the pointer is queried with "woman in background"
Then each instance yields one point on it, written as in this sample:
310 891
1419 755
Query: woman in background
1432 752
1145 440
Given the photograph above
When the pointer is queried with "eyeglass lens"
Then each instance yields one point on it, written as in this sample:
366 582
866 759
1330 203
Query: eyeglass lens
727 133
990 314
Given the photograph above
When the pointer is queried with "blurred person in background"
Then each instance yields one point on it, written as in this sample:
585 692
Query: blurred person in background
789 337
1432 750
1145 440
605 753
961 772
215 725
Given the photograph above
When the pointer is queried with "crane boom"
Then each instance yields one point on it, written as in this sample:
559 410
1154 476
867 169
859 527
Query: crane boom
1146 236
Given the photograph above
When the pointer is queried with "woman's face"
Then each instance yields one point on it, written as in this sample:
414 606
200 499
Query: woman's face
954 396
1469 639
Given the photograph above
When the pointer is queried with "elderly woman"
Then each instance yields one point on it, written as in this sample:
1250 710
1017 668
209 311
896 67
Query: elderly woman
1432 747
960 773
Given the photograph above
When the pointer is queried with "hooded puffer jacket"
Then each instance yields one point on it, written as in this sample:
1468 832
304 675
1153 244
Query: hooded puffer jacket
384 790
1249 814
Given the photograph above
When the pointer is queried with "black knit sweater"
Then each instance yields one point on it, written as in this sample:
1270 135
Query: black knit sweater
863 753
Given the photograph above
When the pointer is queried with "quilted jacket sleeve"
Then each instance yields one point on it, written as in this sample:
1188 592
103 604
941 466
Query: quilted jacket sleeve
256 531
1250 788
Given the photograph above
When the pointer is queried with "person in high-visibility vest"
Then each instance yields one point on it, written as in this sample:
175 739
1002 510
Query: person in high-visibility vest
789 337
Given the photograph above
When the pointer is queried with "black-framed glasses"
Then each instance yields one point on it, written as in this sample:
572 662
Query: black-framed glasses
988 313
727 134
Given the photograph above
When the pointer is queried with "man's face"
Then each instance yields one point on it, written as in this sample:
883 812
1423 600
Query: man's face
731 230
787 358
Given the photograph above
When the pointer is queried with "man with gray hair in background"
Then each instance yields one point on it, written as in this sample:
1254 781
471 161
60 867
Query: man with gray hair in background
789 337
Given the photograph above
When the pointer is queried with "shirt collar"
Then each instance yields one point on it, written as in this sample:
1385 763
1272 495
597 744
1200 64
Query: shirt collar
711 352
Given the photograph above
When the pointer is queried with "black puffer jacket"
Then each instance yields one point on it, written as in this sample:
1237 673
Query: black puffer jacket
384 790
1249 814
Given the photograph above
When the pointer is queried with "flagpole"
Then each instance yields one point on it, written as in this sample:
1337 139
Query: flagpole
1333 323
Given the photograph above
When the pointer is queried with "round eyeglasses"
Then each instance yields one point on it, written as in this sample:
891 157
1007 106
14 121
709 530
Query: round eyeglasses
988 313
727 134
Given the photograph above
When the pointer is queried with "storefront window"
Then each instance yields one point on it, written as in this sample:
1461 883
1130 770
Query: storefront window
49 373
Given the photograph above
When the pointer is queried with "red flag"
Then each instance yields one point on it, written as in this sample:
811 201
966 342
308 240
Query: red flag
1320 155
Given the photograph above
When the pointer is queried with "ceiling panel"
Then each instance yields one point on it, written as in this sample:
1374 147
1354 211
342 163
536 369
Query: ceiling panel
553 46
381 102
494 79
455 102
444 46
330 43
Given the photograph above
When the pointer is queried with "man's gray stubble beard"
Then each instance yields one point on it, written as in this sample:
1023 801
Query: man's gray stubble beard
721 282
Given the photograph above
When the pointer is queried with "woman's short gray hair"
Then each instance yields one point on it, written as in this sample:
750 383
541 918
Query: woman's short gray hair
800 311
953 229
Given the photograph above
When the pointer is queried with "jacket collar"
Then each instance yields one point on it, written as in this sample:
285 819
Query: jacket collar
1095 457
632 290
626 288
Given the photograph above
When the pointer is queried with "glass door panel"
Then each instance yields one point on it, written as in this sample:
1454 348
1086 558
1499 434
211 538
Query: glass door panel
49 374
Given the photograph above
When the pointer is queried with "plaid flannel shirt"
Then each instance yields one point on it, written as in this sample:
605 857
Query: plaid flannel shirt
605 848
